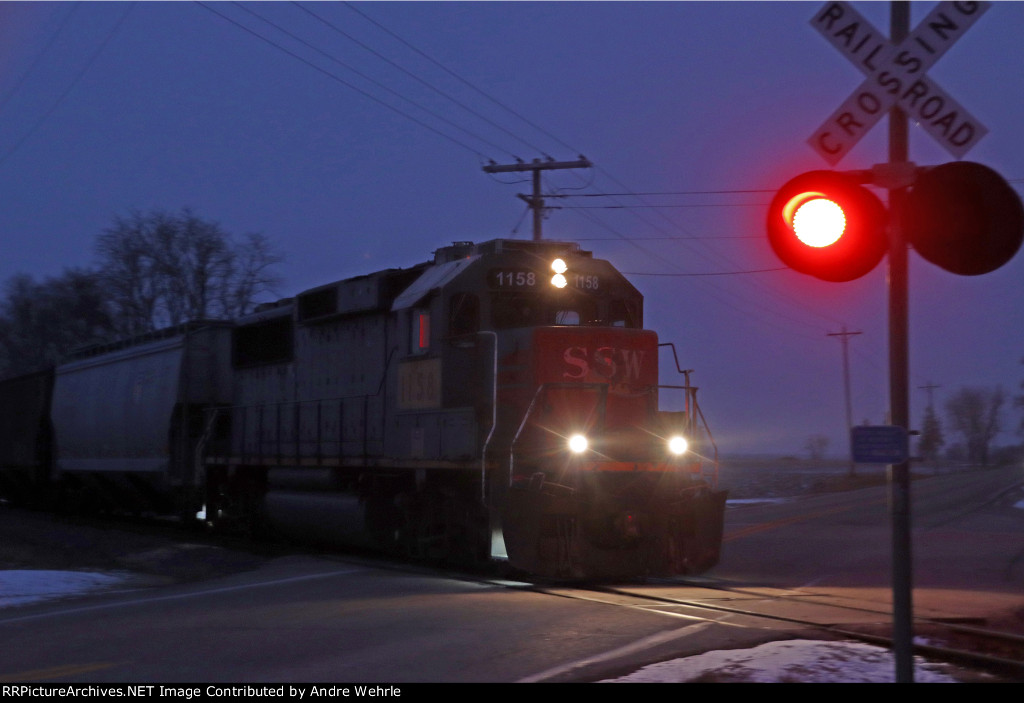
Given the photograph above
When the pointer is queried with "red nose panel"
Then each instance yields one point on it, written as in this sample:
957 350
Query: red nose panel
624 360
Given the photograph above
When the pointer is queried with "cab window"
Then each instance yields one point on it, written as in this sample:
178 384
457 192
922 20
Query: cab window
463 314
624 313
511 311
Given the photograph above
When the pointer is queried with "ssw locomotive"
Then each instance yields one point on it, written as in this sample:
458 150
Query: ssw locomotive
499 401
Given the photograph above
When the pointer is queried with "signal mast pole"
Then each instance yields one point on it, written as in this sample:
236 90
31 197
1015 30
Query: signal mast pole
536 201
899 402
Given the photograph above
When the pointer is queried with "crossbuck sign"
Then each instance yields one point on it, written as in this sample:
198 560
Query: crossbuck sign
896 74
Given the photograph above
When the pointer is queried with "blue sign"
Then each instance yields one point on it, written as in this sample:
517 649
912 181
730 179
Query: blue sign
879 444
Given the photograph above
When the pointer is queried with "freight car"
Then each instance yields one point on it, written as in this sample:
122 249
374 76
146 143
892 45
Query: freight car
25 435
115 426
499 401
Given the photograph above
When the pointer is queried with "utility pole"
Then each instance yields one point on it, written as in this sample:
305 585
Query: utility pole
931 432
929 387
536 200
844 335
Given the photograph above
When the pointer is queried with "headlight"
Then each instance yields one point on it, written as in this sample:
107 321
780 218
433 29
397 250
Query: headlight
578 444
678 445
559 267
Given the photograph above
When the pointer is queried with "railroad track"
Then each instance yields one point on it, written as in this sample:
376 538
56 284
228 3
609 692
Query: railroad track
966 644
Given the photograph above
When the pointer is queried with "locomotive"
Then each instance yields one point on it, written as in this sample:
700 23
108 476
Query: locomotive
500 401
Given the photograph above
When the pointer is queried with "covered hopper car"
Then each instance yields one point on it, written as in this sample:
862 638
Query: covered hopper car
500 401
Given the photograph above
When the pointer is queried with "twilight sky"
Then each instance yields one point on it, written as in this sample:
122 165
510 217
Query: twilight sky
353 137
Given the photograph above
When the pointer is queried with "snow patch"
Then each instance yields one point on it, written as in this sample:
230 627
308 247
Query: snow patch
789 661
19 587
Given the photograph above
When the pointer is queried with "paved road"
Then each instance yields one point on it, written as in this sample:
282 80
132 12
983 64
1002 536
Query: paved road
967 544
241 617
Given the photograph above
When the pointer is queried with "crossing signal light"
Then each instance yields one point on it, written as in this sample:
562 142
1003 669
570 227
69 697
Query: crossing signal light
964 217
827 225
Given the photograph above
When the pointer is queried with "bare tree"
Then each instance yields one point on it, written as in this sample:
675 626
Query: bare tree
166 268
974 413
816 446
250 268
41 322
155 269
128 271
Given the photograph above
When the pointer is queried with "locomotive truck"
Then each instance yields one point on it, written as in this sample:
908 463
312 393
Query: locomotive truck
500 401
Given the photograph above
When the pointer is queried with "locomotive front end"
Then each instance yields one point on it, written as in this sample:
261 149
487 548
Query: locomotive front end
597 481
602 483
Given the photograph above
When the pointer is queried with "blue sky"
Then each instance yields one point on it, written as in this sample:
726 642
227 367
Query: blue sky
109 107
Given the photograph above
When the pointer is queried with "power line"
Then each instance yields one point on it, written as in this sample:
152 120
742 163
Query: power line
619 235
721 295
670 238
520 116
67 91
733 191
35 62
345 83
650 207
365 77
460 78
417 78
718 273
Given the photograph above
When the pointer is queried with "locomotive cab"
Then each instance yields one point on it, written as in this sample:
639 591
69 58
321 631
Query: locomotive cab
588 476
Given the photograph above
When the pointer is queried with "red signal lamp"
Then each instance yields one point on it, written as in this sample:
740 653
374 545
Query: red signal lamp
827 225
964 217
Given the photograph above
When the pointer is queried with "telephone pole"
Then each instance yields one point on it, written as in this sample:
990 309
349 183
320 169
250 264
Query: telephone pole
931 439
844 335
536 200
929 387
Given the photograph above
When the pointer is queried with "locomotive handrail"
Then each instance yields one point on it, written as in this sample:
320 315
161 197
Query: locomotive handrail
680 369
692 391
319 402
199 467
691 399
277 441
602 388
494 419
710 436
